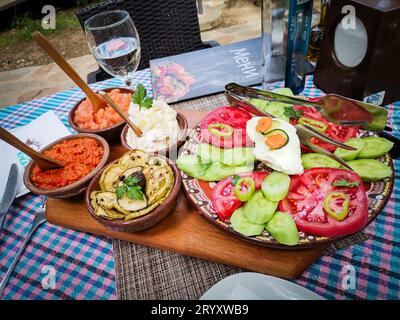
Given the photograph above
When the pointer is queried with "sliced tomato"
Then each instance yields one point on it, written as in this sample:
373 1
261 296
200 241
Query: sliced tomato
305 202
223 196
233 117
334 131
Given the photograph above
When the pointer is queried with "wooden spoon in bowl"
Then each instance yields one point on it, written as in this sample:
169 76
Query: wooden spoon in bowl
53 53
40 159
122 114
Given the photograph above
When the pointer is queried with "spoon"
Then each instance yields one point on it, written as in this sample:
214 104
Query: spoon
53 53
122 114
40 159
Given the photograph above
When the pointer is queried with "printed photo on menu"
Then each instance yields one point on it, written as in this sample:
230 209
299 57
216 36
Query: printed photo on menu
201 73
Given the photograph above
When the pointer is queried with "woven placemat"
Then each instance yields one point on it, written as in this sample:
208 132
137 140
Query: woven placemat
146 273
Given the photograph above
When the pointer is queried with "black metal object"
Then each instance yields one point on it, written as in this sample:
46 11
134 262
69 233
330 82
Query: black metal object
165 27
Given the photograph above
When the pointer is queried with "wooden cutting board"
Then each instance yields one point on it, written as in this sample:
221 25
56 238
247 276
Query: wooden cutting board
186 232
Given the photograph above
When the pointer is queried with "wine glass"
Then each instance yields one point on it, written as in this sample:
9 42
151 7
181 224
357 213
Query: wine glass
114 42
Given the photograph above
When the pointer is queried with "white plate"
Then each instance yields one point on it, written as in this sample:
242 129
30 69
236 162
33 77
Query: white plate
256 286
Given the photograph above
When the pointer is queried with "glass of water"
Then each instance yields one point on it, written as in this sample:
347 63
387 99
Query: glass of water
114 42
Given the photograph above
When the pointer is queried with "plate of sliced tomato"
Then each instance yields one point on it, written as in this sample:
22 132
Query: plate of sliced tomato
327 204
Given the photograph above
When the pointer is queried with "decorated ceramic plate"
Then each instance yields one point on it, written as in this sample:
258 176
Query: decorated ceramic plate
199 193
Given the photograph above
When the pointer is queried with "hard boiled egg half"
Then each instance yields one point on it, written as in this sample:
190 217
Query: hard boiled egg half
276 144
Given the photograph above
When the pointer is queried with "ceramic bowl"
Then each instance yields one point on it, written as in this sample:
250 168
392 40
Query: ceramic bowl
111 133
77 187
170 150
143 222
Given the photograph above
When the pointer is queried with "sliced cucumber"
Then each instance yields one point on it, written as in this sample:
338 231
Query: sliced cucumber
375 147
238 156
348 155
313 160
209 153
241 224
191 165
283 228
276 109
258 209
285 91
370 170
275 186
218 171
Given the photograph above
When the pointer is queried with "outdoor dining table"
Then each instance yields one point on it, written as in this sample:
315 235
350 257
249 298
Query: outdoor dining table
93 267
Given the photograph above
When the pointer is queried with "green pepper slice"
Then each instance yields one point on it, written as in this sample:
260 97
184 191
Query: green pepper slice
220 129
318 125
336 204
244 188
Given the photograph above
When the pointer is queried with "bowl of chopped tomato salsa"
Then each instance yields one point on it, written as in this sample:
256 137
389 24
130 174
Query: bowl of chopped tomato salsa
83 155
104 122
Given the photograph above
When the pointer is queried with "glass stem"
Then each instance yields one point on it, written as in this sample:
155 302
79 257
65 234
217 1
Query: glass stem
128 82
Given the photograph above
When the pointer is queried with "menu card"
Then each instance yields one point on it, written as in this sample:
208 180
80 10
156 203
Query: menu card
206 71
37 134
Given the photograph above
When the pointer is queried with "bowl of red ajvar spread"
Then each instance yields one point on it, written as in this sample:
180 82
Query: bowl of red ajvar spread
83 155
104 122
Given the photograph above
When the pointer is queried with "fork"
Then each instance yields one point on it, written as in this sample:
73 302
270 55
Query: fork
37 221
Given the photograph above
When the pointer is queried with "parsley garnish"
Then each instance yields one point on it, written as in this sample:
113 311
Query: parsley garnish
135 193
130 188
120 191
345 183
235 180
292 113
140 97
131 181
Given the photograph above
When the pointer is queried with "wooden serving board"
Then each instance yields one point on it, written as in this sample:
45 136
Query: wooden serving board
186 232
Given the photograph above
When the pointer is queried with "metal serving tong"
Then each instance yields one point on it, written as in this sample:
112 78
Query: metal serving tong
304 132
335 108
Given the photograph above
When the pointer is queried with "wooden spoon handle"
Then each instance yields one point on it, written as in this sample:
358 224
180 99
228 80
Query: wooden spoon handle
122 114
41 160
66 67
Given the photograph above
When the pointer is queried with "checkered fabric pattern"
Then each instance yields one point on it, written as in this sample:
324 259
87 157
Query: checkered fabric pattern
85 264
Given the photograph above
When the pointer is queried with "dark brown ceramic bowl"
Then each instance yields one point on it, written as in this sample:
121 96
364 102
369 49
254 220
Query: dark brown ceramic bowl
172 149
143 222
76 187
111 133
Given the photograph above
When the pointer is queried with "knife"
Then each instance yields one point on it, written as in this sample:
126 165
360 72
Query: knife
9 193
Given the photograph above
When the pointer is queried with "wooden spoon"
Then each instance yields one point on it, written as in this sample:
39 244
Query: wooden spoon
40 159
53 53
122 114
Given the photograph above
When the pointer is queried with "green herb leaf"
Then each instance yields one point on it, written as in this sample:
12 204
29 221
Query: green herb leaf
120 191
131 181
140 97
135 193
292 113
148 103
345 183
235 180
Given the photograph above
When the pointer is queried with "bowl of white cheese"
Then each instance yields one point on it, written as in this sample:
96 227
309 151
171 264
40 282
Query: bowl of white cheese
164 129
